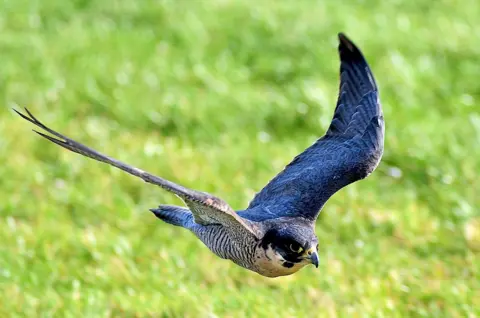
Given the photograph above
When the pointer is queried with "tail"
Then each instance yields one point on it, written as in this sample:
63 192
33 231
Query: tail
174 215
358 100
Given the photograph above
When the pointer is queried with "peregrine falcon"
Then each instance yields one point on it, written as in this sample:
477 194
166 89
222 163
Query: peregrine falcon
275 235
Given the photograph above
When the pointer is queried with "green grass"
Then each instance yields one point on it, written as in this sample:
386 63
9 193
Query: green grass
219 95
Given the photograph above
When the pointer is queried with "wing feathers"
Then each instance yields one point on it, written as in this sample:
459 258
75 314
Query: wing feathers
356 81
205 207
79 148
366 110
350 150
352 59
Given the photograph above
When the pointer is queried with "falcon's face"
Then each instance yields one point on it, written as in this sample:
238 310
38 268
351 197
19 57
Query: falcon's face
290 248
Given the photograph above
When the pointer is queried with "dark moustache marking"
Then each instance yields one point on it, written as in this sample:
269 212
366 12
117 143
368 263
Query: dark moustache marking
288 264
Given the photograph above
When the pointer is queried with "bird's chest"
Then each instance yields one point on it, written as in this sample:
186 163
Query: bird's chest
270 264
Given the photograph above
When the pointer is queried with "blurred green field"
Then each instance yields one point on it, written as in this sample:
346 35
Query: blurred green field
219 95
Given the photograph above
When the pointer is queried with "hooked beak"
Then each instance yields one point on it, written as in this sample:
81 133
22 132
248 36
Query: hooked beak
312 256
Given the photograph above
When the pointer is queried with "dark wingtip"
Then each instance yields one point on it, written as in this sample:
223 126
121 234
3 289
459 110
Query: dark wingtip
343 38
29 113
30 117
347 49
20 114
351 55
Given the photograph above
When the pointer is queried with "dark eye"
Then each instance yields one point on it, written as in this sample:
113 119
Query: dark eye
294 247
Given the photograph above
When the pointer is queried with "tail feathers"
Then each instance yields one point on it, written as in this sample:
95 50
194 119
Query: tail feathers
174 215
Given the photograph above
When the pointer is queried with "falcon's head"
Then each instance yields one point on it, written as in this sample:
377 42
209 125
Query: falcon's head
291 245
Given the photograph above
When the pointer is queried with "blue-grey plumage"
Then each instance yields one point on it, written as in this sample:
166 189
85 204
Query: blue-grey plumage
275 235
349 151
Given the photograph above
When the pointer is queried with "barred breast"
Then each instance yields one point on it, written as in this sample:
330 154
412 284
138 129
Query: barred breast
228 244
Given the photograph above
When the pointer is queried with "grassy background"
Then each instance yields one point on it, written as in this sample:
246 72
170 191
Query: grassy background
219 95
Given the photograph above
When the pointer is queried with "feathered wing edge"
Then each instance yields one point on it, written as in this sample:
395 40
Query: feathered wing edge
358 91
357 128
206 208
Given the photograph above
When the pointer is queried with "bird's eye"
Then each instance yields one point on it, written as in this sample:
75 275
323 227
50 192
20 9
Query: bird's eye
296 248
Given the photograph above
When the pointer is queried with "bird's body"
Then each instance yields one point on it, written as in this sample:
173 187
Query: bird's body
245 251
275 235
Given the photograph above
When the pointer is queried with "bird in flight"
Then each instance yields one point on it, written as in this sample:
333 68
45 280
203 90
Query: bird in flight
275 235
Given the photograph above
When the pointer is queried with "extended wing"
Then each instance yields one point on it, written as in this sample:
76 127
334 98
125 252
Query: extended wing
350 150
206 208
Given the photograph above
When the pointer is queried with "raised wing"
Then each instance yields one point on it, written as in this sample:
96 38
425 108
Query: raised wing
350 150
206 208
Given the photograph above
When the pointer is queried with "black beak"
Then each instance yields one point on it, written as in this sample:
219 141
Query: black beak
314 259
